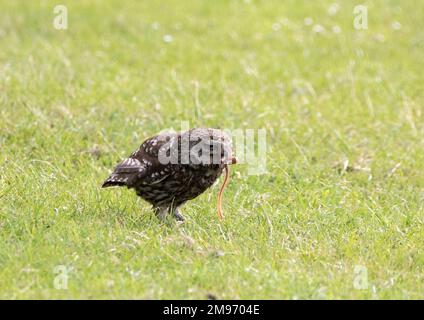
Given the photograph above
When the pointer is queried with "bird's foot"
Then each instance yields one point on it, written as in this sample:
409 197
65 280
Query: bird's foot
161 213
178 216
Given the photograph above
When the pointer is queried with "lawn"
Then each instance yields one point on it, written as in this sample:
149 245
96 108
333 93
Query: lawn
340 211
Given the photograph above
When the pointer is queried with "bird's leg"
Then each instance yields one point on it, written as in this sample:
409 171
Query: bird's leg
161 212
177 215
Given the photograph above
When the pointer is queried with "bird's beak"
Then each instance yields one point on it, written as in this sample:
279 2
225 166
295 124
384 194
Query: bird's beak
233 160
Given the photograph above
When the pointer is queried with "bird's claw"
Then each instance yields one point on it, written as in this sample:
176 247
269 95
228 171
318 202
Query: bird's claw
178 216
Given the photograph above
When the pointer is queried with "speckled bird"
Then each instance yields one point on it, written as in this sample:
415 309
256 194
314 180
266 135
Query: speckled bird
172 168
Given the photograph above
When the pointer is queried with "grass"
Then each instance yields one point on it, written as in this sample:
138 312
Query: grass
344 118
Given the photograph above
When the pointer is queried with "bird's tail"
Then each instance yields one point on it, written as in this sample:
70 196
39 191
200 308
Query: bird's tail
113 181
125 173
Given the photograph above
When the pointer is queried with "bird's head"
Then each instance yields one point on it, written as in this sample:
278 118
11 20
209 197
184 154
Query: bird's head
209 146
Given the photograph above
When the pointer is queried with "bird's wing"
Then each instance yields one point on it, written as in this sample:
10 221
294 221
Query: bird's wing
142 166
149 153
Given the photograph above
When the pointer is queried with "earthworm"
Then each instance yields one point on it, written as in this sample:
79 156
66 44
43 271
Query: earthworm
224 185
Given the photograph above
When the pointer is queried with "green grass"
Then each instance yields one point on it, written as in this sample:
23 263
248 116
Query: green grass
344 114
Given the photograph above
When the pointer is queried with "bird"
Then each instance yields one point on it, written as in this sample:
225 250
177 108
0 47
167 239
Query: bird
169 169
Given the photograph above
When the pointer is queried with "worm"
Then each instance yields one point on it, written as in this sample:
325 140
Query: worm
224 185
221 191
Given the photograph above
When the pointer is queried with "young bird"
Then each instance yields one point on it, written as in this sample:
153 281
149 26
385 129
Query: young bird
170 169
